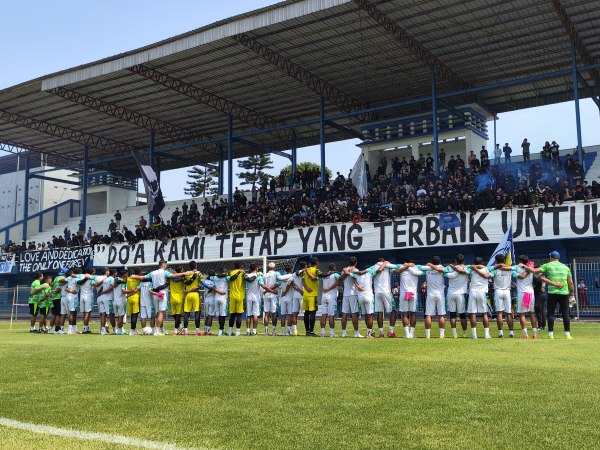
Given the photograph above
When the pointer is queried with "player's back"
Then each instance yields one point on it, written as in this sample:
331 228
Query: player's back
435 281
349 286
523 284
457 284
237 289
479 283
253 287
132 284
502 279
298 282
177 288
312 284
382 282
409 279
270 278
145 296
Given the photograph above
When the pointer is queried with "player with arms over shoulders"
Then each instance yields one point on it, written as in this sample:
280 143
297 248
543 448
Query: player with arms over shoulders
177 289
310 283
331 281
409 278
120 300
254 282
350 298
132 292
237 295
502 299
298 293
458 285
191 303
366 299
270 299
221 288
436 300
286 293
477 294
561 290
384 303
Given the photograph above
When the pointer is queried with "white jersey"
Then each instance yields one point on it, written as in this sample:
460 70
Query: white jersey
145 296
524 285
382 281
86 289
210 294
270 278
365 281
159 278
298 282
222 284
502 279
478 283
409 279
328 281
72 284
435 280
349 287
106 285
283 282
119 296
253 287
458 282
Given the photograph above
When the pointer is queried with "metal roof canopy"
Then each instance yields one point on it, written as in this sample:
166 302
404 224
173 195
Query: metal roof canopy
268 68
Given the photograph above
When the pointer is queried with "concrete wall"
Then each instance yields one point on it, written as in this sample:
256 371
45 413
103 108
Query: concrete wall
106 199
96 201
43 194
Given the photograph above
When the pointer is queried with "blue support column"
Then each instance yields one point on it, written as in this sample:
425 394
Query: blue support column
576 94
151 161
158 169
436 152
322 140
294 154
26 198
495 137
220 179
229 160
84 185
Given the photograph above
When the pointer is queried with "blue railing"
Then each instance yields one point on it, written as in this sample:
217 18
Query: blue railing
73 212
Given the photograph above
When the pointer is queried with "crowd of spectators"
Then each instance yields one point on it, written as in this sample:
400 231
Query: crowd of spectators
396 189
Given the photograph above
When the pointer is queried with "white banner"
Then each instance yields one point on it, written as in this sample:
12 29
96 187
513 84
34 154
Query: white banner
359 176
561 222
7 261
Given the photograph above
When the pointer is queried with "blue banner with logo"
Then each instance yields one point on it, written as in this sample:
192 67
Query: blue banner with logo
449 220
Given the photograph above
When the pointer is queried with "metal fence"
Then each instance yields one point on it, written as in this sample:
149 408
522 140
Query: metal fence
587 287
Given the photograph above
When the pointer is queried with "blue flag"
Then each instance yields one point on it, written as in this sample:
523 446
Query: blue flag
448 220
506 248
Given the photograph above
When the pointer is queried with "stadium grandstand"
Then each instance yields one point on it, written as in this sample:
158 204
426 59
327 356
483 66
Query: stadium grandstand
300 73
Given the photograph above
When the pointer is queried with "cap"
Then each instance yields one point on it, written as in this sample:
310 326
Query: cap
271 265
555 254
63 271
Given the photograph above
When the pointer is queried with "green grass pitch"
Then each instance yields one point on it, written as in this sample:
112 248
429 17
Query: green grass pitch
304 393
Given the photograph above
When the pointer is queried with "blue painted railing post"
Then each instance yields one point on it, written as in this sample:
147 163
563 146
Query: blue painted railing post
576 95
436 153
322 137
84 185
26 198
229 160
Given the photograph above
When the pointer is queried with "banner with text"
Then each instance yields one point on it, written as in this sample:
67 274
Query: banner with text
561 222
54 260
7 261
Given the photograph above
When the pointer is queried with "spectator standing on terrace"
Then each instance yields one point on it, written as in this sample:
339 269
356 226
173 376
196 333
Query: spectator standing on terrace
89 233
143 222
67 233
112 226
442 157
507 151
81 231
525 146
497 154
118 219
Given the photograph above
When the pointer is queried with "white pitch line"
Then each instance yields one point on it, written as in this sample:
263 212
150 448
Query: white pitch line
111 438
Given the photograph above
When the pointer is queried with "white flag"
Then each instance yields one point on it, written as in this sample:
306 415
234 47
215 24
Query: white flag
359 176
505 247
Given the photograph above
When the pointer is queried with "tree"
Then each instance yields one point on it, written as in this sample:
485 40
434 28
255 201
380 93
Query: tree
203 182
301 167
255 166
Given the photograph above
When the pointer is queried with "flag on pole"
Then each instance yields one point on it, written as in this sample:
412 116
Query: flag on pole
154 196
359 176
505 247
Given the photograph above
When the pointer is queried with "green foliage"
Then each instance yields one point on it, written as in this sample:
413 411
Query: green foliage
300 167
301 393
203 182
255 167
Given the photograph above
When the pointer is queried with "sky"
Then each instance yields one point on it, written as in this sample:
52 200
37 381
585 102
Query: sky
42 37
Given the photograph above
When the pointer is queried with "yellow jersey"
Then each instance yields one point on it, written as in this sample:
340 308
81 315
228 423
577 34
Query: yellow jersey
132 284
177 289
195 283
237 287
313 284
